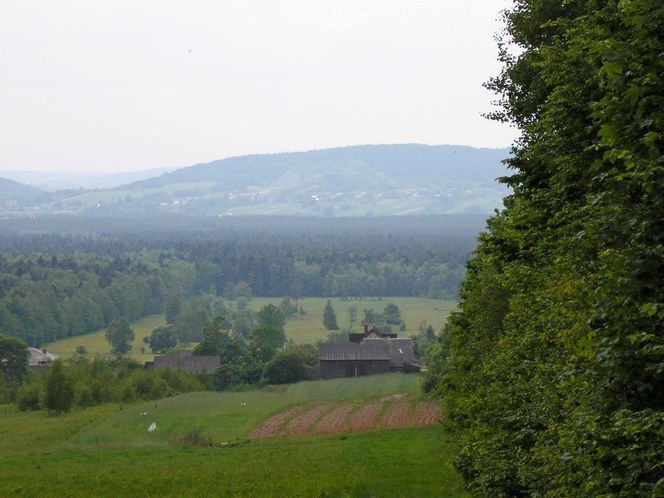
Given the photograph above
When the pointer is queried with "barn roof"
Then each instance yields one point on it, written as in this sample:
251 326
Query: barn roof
201 364
401 350
374 350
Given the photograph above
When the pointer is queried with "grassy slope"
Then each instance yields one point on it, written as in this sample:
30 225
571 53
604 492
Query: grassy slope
309 329
108 450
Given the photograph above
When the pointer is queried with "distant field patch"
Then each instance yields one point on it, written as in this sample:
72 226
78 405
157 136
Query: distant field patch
309 329
95 342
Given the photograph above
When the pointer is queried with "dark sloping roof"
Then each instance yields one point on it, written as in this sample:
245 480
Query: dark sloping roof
202 364
401 350
374 350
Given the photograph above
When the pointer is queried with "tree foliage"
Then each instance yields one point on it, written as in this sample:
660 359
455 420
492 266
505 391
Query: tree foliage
13 358
553 369
330 317
59 392
119 335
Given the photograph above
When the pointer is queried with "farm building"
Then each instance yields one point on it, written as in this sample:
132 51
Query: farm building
371 356
187 362
370 332
40 358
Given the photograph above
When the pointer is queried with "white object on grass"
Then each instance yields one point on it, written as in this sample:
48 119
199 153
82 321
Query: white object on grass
153 427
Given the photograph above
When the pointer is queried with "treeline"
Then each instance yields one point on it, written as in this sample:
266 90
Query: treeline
48 297
553 369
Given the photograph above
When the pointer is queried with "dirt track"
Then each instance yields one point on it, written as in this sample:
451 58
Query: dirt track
343 418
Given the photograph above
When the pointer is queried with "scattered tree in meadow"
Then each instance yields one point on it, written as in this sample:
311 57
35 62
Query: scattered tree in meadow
352 315
162 339
330 317
392 314
271 316
120 335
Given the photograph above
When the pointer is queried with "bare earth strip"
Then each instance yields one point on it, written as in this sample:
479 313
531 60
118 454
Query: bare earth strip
272 425
302 423
334 421
364 419
396 416
427 414
322 419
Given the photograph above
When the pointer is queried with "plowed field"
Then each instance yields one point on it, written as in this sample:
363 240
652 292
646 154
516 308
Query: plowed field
343 418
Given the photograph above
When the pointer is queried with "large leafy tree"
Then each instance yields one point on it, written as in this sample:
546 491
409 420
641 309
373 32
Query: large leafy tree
13 358
553 369
120 335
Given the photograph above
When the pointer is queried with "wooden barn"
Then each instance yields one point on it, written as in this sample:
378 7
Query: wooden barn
371 356
352 359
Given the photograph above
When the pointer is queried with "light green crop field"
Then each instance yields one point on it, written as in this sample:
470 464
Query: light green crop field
310 329
96 344
107 451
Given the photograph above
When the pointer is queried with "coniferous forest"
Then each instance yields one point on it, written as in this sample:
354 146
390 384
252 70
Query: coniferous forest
553 369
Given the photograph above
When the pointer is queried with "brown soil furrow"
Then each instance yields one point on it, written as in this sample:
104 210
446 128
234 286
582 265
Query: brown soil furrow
396 416
272 425
334 421
426 414
302 423
364 419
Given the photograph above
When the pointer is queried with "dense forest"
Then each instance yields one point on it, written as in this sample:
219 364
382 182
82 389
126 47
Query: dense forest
553 369
57 285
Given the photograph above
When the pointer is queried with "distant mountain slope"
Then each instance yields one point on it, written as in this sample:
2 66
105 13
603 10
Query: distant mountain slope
379 180
11 191
376 164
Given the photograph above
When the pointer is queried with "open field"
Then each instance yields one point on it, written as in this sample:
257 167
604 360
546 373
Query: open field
96 343
310 329
306 330
107 451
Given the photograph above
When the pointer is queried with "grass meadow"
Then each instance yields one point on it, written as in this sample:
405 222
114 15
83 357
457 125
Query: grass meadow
308 329
107 451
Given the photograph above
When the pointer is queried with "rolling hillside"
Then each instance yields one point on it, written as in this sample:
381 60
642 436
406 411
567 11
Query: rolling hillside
346 181
14 194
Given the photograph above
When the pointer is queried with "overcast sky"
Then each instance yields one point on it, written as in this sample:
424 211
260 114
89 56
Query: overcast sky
100 86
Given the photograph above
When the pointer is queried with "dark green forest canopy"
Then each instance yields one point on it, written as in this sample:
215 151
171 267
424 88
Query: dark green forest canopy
553 369
60 285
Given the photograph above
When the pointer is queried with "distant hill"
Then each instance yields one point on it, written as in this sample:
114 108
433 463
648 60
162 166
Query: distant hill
14 192
346 181
52 182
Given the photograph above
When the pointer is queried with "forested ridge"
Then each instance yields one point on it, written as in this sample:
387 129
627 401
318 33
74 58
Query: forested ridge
553 369
54 286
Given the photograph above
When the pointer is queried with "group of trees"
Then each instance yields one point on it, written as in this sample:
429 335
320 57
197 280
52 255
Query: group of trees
553 369
45 297
262 356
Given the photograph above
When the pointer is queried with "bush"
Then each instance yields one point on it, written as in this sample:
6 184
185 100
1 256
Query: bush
286 367
29 397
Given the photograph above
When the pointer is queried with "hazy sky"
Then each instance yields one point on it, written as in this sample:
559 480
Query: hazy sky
99 86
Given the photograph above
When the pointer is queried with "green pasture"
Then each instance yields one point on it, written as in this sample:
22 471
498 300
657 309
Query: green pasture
96 343
310 328
229 416
107 451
